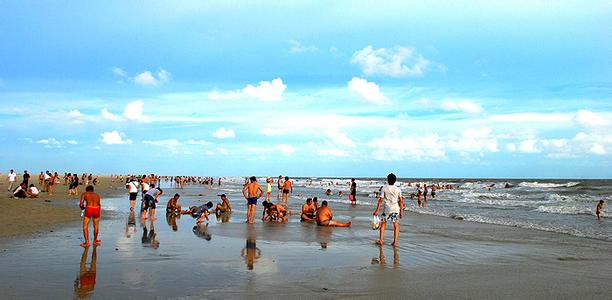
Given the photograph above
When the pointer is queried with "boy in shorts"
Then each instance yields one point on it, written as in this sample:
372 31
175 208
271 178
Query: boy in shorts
393 208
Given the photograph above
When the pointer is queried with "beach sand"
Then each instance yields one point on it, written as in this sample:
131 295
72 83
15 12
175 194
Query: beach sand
436 258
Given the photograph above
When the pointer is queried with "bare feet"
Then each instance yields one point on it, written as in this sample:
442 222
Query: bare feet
153 219
379 242
97 242
85 245
394 244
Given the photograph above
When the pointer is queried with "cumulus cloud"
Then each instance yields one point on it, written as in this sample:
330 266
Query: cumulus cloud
119 72
106 115
50 143
223 133
598 149
474 140
272 131
170 143
588 119
465 106
394 146
297 47
338 137
368 91
396 62
264 91
285 149
133 111
147 78
511 147
528 146
114 138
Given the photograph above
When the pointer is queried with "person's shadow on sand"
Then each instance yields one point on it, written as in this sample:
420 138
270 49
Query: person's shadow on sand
86 280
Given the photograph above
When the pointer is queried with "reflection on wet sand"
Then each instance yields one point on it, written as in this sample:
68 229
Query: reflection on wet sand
381 260
201 231
130 226
171 219
324 235
86 280
250 252
223 217
149 237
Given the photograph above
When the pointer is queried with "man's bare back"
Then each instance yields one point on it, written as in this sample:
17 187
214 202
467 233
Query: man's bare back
92 199
253 189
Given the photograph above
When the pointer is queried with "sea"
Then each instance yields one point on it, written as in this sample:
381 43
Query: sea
564 206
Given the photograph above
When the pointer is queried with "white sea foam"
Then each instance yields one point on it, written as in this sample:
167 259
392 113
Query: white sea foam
536 184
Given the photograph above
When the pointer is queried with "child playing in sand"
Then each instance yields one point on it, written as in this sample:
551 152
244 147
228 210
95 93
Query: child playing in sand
92 210
599 209
393 201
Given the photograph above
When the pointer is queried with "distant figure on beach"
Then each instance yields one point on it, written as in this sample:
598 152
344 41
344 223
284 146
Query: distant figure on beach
268 188
11 179
353 192
224 206
254 192
433 191
73 188
274 212
308 211
26 177
324 217
90 202
86 281
328 192
391 197
287 188
599 209
425 192
279 184
132 187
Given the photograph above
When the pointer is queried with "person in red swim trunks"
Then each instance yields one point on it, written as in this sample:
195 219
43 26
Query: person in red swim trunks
92 210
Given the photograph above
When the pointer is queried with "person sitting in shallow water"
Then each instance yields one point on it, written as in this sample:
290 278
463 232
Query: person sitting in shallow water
274 212
173 207
224 206
324 217
308 211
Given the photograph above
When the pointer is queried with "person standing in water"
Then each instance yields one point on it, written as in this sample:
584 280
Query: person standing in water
90 202
599 209
287 188
254 192
393 208
268 188
279 183
353 192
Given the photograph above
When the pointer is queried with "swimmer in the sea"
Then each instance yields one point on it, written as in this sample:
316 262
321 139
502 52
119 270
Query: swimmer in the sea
599 209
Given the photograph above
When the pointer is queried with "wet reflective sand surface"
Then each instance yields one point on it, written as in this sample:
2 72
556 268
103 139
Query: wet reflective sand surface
175 257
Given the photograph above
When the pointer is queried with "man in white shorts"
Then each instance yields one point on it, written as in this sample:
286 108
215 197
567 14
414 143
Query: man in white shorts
391 197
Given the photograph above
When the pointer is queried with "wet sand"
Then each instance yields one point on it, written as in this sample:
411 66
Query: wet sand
436 257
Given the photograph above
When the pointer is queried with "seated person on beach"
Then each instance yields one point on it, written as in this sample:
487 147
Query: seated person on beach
172 207
308 211
33 191
599 209
315 203
90 202
224 206
20 191
324 217
274 212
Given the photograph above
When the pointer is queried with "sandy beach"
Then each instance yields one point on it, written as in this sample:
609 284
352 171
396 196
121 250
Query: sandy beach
173 258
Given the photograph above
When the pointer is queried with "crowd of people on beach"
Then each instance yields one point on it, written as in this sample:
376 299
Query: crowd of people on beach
47 181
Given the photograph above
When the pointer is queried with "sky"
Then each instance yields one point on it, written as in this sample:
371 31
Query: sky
308 88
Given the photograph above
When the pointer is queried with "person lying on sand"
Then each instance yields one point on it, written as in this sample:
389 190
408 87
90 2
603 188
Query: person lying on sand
274 212
324 217
90 202
308 211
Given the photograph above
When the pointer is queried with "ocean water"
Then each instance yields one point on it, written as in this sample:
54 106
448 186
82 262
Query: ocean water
564 206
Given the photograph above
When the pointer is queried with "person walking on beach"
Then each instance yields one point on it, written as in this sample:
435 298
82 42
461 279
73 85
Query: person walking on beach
391 197
132 188
599 209
11 179
252 191
90 202
279 183
353 192
287 188
150 202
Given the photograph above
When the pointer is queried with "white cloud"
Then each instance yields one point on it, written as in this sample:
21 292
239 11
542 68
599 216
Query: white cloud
76 116
170 143
511 147
555 143
198 142
369 91
223 133
114 138
221 150
396 62
272 131
465 106
119 72
285 149
264 91
474 140
106 115
531 117
148 79
589 119
297 47
133 111
598 149
393 146
528 146
332 152
339 138
72 142
50 143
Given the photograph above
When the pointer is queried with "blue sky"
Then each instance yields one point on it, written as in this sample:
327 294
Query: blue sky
308 88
